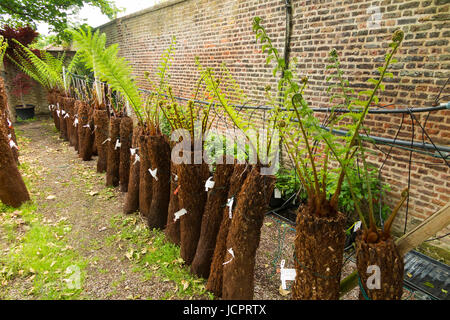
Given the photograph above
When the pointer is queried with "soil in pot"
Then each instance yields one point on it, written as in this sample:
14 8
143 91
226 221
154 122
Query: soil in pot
132 197
172 230
126 135
101 122
385 256
85 138
192 197
112 172
212 218
145 178
159 153
244 235
215 279
319 248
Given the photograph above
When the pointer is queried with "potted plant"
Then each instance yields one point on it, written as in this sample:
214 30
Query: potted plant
21 87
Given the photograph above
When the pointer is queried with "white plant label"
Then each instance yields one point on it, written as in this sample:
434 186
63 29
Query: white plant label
66 116
357 226
180 213
12 144
277 194
118 144
209 184
50 107
133 151
63 112
136 159
286 274
153 173
75 123
9 123
230 251
175 177
109 139
87 126
230 207
57 113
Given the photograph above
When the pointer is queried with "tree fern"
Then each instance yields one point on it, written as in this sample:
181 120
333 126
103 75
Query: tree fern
108 66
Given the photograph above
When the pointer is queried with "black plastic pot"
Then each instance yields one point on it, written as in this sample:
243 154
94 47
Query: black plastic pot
25 113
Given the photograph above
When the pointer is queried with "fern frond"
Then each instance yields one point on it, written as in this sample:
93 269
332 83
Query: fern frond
108 66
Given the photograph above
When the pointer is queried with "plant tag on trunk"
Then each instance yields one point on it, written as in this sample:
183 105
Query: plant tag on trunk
230 251
153 173
57 113
357 226
12 144
66 116
9 136
87 126
277 194
132 151
50 107
180 213
175 178
9 123
286 274
209 184
230 207
63 112
75 123
136 159
109 139
118 144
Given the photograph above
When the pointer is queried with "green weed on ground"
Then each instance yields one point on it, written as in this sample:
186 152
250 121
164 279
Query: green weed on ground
154 255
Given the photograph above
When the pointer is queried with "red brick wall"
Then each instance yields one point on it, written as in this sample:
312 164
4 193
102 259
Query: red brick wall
221 31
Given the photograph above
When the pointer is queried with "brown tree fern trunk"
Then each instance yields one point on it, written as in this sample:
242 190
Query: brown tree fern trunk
192 197
132 198
13 191
75 126
84 132
385 256
126 135
145 178
62 120
112 172
212 218
215 279
101 121
172 230
159 153
244 235
319 248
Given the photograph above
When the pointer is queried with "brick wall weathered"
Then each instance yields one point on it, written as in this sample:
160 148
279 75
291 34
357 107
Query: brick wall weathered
221 31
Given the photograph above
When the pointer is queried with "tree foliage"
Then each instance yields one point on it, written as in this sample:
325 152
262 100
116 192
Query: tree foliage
57 13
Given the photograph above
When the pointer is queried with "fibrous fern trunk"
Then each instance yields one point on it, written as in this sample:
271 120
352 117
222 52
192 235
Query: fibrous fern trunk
132 198
382 255
244 235
159 153
172 230
319 249
112 172
101 122
215 280
126 136
212 218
